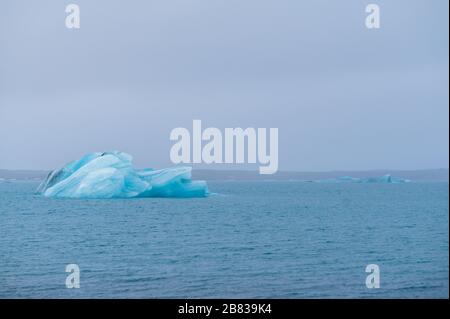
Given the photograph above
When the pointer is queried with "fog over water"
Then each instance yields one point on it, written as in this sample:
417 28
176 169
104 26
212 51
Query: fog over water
342 96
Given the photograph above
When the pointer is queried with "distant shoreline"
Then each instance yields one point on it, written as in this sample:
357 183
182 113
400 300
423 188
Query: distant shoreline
247 175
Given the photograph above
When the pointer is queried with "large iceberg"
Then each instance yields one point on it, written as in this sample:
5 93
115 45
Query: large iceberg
111 175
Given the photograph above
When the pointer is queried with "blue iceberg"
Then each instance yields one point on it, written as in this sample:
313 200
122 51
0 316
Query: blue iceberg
380 179
111 175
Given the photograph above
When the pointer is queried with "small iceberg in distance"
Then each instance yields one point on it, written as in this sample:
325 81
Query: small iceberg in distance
385 179
111 175
388 179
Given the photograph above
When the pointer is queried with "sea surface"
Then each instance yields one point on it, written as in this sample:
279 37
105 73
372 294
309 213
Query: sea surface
249 240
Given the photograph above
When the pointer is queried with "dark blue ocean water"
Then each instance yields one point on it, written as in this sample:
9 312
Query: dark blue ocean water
253 239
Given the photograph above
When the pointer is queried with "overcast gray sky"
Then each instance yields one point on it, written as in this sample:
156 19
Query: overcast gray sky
342 96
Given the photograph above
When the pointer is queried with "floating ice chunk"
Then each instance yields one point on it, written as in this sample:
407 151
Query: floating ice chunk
342 179
380 179
111 175
385 179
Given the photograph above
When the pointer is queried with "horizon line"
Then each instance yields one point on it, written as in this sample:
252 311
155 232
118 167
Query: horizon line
256 170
